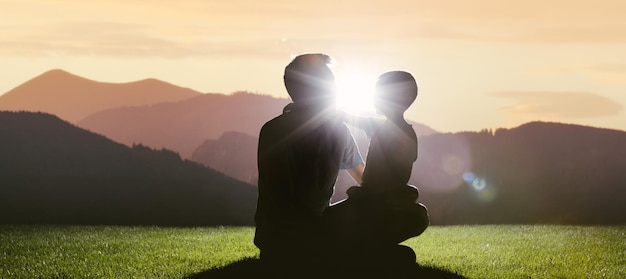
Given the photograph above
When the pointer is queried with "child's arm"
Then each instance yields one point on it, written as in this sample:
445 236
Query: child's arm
357 173
367 124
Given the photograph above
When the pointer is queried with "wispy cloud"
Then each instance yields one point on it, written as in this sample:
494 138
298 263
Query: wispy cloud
558 105
612 73
201 28
130 41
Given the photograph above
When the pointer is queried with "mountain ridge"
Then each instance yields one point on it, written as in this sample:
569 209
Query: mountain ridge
538 172
55 172
184 125
72 97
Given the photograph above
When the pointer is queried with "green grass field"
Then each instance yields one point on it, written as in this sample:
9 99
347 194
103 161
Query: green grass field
153 252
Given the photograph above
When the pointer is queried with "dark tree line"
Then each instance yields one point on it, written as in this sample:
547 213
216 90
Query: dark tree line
54 172
535 173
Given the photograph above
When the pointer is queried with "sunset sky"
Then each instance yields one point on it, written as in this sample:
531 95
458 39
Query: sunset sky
479 63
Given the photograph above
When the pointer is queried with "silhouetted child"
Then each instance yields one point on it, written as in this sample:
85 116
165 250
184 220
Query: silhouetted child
393 146
384 192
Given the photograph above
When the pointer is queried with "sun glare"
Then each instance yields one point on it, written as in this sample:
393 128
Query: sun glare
355 92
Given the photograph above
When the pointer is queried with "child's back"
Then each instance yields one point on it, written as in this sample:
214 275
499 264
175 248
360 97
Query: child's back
392 151
393 147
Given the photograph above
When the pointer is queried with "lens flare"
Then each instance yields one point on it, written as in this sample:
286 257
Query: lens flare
355 92
479 184
484 192
469 177
453 164
443 171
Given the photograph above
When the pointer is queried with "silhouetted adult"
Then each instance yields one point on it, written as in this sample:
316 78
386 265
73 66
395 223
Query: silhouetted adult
300 154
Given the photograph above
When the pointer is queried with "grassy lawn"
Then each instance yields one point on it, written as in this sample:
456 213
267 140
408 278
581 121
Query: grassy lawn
154 252
525 251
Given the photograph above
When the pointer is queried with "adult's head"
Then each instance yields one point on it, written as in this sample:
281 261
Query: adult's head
395 92
309 80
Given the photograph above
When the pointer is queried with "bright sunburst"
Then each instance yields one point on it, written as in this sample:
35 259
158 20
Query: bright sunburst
355 92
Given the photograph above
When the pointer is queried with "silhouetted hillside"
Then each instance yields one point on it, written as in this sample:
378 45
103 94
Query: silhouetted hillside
535 173
233 154
183 126
54 172
72 97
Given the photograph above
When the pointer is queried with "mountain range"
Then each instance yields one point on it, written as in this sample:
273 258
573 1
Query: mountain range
150 112
183 126
233 154
536 173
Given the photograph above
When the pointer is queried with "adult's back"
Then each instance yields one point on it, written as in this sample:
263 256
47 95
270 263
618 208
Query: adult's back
300 154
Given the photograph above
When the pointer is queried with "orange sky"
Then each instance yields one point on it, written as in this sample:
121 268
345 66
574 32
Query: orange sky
479 63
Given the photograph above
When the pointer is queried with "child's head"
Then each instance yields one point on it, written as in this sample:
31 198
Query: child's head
395 92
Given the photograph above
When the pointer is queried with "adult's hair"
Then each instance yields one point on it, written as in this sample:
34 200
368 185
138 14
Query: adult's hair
309 80
397 89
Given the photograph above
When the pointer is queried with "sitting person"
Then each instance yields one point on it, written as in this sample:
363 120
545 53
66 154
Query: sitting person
393 146
300 154
383 212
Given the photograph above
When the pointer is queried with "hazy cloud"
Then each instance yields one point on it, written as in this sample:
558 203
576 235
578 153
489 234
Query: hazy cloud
202 28
131 40
574 34
519 33
614 73
558 105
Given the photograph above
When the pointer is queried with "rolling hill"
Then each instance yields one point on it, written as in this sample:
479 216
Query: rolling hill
536 173
233 154
72 98
54 172
183 126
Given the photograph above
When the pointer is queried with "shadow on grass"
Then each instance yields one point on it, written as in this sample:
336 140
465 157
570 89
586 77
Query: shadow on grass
252 268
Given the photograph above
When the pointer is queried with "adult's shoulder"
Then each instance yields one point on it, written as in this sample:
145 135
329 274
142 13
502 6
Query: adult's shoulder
273 122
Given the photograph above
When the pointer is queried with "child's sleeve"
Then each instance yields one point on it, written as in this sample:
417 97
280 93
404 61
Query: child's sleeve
351 155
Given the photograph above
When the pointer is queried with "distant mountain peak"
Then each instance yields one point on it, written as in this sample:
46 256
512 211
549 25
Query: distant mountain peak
72 97
55 76
56 72
52 80
155 84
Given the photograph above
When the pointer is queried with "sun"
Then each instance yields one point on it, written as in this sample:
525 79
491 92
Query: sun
355 91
